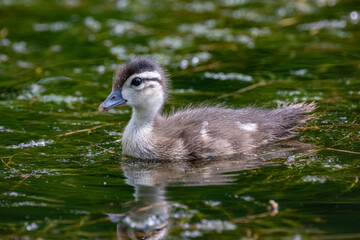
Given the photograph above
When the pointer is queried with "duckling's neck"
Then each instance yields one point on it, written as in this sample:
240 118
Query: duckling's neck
143 116
136 140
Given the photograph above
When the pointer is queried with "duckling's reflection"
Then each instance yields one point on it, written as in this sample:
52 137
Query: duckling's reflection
149 215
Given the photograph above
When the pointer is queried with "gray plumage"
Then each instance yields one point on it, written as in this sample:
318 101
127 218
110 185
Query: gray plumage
200 132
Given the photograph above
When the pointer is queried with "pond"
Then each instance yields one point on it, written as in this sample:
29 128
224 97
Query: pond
62 173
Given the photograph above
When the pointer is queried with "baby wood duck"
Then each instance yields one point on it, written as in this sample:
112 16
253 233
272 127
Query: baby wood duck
199 132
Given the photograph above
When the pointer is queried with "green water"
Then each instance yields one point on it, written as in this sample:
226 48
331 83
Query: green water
56 64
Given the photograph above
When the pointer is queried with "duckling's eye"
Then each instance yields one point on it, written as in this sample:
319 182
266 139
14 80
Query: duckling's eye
136 81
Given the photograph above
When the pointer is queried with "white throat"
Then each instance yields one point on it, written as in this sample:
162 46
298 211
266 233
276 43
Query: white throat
137 137
137 140
143 116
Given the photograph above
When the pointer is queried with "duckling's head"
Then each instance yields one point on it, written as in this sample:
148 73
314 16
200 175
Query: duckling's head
141 83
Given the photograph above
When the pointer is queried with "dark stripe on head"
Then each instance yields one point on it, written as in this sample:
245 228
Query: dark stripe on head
136 66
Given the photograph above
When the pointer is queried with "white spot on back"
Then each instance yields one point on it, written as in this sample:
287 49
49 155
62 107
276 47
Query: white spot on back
203 131
179 149
180 143
251 127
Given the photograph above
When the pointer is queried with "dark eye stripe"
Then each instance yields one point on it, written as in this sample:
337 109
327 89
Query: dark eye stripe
157 80
152 79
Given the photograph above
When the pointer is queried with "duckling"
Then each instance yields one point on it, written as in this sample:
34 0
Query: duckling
191 133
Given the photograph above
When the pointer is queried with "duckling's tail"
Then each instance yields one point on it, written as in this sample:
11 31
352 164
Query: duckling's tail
290 116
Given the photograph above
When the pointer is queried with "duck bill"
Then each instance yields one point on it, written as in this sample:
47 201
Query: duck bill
113 100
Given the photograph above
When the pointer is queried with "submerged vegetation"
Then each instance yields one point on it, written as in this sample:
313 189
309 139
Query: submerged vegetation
62 174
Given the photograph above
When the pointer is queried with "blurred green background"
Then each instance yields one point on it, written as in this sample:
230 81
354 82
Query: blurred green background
62 174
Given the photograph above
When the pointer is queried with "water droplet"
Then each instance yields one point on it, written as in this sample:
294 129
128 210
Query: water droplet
31 226
354 17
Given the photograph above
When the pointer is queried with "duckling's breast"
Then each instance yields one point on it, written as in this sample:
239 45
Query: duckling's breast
137 142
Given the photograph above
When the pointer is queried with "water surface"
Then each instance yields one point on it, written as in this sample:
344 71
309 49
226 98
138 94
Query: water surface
62 172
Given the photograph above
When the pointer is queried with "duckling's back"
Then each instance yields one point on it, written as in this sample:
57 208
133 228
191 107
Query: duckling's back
214 131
